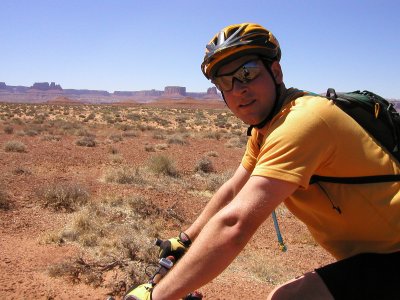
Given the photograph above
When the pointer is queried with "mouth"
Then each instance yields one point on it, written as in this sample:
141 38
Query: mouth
249 103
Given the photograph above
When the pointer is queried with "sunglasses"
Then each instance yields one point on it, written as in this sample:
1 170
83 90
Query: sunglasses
245 73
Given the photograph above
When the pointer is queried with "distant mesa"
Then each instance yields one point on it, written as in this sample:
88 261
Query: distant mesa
49 92
45 86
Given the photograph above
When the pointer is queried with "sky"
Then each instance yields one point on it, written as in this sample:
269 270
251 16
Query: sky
122 45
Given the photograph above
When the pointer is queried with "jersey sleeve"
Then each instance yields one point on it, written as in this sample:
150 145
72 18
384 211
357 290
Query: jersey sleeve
297 144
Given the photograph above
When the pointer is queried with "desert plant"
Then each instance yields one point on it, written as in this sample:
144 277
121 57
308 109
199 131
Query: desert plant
5 202
214 181
51 137
124 175
212 153
86 141
238 142
115 137
204 165
14 146
149 148
161 146
68 196
161 164
8 129
21 170
177 139
130 134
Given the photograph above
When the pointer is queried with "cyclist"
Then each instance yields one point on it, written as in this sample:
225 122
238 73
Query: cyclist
294 135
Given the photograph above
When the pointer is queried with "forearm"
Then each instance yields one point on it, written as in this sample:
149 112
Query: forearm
221 198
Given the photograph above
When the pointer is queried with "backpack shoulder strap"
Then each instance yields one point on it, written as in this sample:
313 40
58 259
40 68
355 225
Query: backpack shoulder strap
355 180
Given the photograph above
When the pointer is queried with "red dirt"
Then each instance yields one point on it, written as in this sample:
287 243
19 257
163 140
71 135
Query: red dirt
24 260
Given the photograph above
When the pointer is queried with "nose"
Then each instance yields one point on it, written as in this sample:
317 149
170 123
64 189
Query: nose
238 87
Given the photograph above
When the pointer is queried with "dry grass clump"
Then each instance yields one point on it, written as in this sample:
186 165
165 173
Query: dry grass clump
237 142
5 202
149 148
51 137
204 165
213 135
162 165
86 141
177 139
116 138
21 171
8 129
124 175
161 147
130 134
215 181
64 196
14 146
120 233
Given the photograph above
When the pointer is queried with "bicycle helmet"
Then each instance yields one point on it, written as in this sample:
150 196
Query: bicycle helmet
237 40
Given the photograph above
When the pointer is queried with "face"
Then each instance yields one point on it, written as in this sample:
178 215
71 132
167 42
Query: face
251 98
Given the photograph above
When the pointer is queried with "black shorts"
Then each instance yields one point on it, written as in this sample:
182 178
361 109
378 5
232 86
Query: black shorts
364 276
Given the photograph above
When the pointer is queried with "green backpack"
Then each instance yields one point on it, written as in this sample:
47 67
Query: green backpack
379 118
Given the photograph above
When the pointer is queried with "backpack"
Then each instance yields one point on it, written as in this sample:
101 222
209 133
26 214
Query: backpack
379 118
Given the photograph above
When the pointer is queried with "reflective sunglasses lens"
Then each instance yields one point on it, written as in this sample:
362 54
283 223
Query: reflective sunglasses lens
244 73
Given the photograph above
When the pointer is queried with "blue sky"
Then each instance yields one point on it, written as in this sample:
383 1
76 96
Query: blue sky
139 45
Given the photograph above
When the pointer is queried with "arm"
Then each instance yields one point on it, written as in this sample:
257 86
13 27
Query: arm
224 236
221 198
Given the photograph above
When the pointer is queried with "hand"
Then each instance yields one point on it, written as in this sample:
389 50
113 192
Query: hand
142 292
176 246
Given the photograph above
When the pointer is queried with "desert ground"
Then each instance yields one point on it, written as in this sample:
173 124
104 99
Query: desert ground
86 189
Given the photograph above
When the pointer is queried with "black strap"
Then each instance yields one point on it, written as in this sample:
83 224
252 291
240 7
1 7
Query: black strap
356 180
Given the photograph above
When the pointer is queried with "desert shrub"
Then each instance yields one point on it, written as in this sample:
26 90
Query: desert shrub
17 121
117 158
238 142
124 127
66 196
8 129
119 232
159 136
213 135
21 171
115 137
130 134
113 150
212 153
51 137
143 127
161 164
31 132
149 148
86 141
84 132
204 165
177 139
124 175
14 146
5 202
161 146
215 181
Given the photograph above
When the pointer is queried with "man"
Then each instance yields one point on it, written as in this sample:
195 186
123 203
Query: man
294 135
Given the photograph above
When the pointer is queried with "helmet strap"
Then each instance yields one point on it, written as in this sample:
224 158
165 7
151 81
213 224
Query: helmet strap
277 102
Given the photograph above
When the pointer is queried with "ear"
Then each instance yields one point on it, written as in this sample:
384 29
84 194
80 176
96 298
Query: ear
277 72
